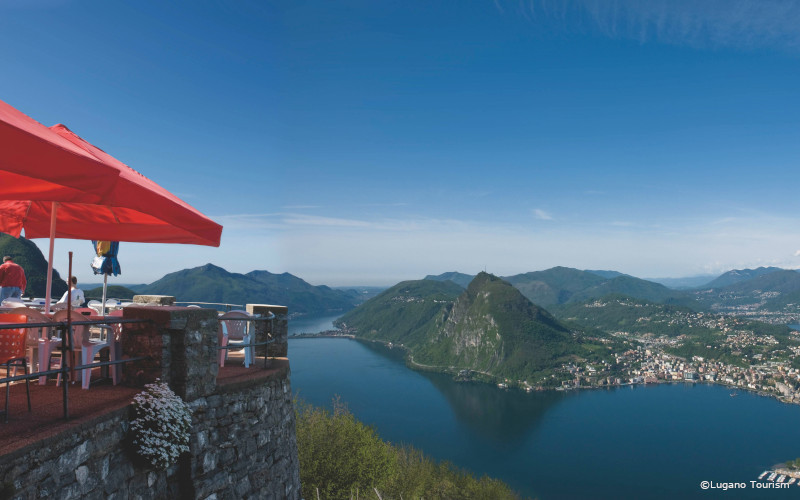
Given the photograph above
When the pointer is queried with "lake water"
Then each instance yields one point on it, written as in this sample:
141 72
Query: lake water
643 442
311 325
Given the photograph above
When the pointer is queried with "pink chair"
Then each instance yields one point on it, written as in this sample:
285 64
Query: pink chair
234 329
34 336
89 347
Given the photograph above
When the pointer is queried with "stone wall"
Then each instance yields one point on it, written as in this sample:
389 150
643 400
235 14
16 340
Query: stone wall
242 444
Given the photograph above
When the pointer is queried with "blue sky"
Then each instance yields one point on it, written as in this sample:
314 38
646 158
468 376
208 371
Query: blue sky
366 142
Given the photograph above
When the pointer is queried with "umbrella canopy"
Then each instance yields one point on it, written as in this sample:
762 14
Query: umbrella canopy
53 183
134 209
38 164
105 261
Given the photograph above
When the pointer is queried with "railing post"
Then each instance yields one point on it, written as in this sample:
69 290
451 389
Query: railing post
182 345
280 347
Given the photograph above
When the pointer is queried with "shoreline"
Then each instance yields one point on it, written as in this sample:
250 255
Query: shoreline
409 359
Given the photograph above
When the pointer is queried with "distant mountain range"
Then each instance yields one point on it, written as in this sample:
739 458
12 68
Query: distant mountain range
210 283
764 289
498 326
560 285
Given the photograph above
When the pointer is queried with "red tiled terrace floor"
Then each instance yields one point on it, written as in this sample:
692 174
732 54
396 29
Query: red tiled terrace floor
47 412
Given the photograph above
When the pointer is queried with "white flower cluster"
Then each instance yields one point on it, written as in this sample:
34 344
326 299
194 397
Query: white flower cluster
161 425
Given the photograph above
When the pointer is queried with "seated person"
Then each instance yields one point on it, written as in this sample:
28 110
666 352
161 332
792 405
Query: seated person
77 294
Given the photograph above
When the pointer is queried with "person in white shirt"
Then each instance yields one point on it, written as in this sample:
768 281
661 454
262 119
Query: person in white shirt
77 294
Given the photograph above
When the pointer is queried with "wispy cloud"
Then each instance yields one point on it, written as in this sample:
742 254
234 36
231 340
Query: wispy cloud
541 214
301 207
707 24
316 220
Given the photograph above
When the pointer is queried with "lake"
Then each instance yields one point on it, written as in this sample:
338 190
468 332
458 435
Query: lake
632 442
311 325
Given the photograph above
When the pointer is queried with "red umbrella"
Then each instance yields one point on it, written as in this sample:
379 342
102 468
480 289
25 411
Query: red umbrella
59 185
38 164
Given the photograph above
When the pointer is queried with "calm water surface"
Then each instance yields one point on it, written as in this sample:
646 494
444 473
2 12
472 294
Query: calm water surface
311 325
643 442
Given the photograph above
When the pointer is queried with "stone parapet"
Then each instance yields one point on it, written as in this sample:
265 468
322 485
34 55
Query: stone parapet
280 328
181 343
156 300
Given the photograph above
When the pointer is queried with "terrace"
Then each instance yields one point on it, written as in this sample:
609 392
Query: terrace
179 345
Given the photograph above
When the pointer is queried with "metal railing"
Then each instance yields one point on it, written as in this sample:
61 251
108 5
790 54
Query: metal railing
269 317
66 347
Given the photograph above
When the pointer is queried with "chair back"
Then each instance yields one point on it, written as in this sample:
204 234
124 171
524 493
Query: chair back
12 340
117 327
96 305
34 316
235 324
80 332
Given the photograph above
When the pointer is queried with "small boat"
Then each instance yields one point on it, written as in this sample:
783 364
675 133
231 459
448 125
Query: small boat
781 478
763 474
734 394
772 476
792 480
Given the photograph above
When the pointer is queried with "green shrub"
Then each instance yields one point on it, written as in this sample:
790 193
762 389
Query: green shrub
341 457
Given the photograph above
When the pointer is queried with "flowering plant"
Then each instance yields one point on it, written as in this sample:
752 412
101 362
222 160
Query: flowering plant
161 424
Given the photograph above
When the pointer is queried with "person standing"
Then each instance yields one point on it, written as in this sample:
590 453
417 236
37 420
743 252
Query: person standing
12 279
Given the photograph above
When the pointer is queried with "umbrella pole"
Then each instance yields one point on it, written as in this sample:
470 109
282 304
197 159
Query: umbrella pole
105 284
49 284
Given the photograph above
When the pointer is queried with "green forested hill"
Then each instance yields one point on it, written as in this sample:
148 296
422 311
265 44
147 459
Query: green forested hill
404 313
554 286
493 328
636 288
772 290
613 313
738 275
489 328
112 291
28 255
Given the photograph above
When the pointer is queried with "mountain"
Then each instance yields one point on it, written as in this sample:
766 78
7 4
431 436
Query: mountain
28 255
633 287
493 328
489 328
607 274
775 288
460 279
404 313
560 285
739 275
684 283
554 286
112 291
210 283
613 313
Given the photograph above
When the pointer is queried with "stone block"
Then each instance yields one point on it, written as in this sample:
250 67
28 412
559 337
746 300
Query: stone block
158 300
